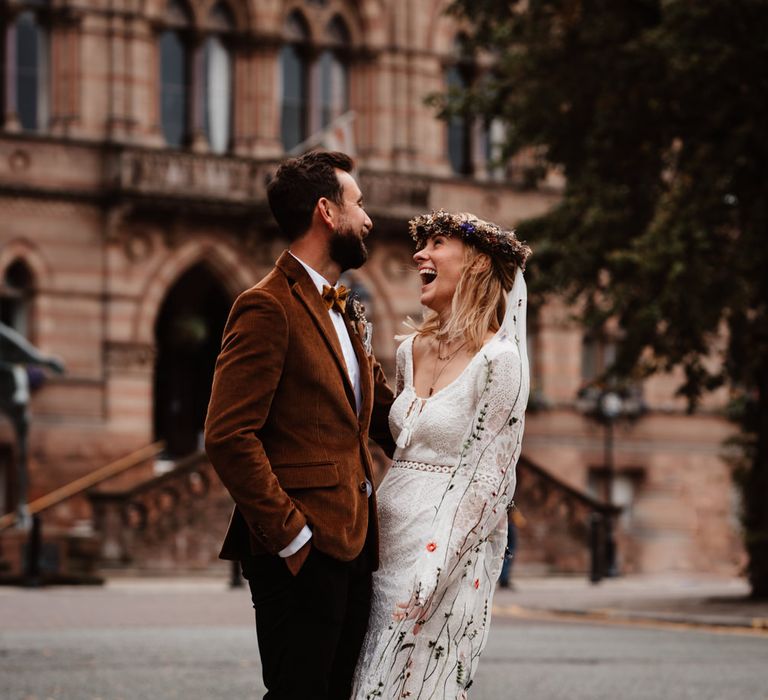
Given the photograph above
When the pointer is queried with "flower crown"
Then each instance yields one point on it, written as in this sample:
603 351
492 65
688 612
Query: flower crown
483 235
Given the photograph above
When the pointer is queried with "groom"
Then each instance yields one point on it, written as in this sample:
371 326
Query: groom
295 396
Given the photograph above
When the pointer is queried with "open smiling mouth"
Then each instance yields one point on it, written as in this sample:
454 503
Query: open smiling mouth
427 275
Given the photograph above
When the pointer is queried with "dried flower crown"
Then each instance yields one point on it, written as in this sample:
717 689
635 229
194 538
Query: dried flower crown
485 236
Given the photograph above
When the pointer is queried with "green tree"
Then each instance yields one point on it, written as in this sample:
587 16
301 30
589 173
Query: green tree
656 111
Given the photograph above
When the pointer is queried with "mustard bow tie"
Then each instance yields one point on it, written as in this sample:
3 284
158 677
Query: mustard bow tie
335 297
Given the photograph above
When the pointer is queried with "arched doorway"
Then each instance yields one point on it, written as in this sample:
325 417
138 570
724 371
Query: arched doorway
188 336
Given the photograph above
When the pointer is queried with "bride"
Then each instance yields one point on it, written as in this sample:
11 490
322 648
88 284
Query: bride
462 389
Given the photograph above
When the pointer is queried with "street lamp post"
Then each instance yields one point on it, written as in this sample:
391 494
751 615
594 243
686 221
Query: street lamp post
610 406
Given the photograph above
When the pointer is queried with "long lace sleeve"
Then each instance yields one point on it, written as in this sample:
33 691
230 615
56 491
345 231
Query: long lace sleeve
401 368
473 507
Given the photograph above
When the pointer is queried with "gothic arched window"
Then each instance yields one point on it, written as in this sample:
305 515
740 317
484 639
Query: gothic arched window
218 80
334 91
295 83
26 53
16 293
459 77
174 75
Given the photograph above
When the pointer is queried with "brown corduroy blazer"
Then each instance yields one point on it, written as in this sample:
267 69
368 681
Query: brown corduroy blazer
282 431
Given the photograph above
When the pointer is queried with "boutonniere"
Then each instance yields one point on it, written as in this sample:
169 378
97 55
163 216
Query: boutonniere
362 326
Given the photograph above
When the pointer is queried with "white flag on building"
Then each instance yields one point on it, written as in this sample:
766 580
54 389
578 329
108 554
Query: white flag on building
339 135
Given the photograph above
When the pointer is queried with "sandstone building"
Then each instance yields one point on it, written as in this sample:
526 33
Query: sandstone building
136 139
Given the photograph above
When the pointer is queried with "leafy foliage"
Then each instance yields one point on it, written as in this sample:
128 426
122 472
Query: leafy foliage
656 113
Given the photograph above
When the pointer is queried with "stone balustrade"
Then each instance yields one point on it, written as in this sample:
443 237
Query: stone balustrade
189 176
172 522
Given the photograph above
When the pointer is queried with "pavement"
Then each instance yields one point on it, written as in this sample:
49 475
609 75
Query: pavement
669 600
672 599
194 638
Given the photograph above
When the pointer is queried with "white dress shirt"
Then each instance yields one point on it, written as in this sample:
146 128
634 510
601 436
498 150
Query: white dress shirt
353 366
353 371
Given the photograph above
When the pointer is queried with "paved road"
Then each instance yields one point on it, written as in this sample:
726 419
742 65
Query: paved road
575 661
195 642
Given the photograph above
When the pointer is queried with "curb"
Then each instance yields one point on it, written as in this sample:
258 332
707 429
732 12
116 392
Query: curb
754 625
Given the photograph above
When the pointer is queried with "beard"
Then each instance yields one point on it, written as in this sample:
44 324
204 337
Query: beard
347 250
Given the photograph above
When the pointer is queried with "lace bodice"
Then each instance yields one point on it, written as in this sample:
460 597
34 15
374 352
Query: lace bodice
432 430
443 515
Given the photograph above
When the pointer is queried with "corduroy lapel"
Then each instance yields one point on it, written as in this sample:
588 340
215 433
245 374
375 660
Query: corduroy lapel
303 287
366 379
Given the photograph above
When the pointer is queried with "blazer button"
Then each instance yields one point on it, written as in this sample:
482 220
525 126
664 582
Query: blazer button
363 486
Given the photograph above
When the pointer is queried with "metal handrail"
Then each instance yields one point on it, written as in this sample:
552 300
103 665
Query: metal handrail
181 466
83 483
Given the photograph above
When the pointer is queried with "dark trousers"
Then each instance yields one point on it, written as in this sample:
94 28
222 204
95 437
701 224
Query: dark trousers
310 627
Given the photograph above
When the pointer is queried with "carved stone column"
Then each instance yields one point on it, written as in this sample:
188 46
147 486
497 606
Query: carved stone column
197 135
65 71
11 117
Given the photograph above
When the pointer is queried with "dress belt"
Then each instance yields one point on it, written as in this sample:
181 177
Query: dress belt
479 477
423 466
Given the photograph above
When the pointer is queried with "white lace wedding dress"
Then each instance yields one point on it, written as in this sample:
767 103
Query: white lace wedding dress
443 518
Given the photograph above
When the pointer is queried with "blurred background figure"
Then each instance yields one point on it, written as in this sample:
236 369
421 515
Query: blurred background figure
516 520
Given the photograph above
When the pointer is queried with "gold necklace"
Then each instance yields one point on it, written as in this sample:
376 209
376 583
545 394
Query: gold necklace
447 359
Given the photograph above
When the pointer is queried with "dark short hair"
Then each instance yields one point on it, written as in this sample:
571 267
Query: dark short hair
298 184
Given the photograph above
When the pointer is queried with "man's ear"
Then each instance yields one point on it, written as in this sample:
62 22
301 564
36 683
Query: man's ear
325 212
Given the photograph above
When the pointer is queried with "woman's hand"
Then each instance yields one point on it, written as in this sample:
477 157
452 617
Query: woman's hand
413 610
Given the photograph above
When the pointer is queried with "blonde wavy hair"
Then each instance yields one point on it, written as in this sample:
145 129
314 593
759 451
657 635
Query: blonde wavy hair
478 304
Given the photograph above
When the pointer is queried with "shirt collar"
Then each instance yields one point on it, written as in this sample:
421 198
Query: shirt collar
318 280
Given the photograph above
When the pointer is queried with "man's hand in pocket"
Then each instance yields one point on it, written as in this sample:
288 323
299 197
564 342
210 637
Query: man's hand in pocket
297 559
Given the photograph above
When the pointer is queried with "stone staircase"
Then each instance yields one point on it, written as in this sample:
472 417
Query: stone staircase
565 528
173 523
62 546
